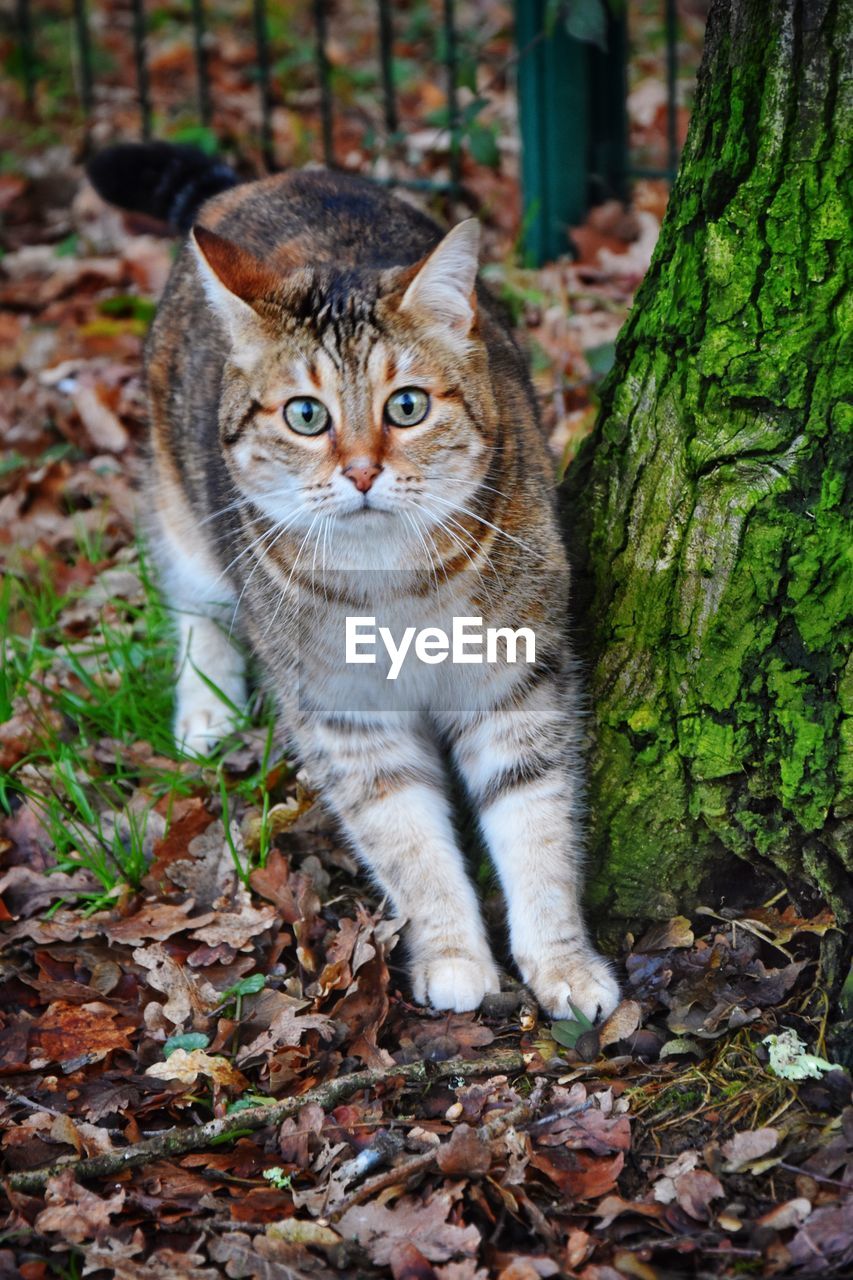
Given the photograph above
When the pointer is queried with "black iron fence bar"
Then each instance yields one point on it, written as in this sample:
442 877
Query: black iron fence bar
262 47
451 61
671 20
386 60
200 49
84 53
28 65
324 74
140 58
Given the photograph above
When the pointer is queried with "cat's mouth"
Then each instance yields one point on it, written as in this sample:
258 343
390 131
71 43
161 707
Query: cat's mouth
366 507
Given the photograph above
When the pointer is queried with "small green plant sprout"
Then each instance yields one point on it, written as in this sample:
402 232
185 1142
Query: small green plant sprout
248 1102
232 997
567 1031
789 1059
188 1041
278 1178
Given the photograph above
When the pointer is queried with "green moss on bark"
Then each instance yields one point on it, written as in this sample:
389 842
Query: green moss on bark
707 514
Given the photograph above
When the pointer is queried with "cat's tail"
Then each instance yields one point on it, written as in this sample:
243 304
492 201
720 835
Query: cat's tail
166 180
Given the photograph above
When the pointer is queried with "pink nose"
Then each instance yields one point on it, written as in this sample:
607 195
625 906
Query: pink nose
362 472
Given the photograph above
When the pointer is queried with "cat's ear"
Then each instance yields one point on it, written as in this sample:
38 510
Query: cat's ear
233 279
443 289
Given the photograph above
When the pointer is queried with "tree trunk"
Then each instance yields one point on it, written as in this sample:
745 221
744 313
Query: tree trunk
706 516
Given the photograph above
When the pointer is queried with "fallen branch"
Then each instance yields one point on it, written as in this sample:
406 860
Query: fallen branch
174 1142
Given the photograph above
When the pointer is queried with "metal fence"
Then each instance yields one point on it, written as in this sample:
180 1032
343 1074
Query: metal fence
571 97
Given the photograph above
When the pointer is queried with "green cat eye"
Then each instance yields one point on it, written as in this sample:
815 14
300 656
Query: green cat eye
408 407
306 415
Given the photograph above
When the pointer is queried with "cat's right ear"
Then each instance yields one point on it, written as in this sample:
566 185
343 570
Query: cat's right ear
234 281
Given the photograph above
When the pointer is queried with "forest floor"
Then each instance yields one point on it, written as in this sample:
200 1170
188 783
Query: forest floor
199 996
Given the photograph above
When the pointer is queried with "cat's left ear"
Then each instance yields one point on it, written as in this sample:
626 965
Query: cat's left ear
443 289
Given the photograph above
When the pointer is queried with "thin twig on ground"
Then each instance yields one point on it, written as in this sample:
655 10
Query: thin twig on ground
175 1142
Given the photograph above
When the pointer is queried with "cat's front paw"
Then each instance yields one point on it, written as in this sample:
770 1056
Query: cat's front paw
454 982
573 979
201 724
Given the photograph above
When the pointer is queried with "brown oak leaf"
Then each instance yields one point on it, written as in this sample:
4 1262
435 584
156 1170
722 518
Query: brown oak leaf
155 922
74 1212
188 995
465 1155
379 1229
67 1031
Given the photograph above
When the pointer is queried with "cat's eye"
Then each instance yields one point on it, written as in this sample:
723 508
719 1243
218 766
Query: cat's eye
408 407
306 415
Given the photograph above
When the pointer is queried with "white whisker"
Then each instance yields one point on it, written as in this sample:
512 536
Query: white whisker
278 525
277 531
286 587
456 506
436 516
467 484
411 520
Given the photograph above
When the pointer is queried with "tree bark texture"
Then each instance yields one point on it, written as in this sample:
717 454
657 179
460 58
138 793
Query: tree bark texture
707 515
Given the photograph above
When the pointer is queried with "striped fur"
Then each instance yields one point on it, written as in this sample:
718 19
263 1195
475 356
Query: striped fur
323 285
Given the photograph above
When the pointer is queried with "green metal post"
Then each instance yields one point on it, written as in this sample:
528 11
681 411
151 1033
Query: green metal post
573 135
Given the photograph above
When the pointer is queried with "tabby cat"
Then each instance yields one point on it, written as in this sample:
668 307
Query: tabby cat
342 424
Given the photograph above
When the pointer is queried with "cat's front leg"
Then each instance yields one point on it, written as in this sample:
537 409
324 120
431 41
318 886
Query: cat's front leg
518 764
385 783
211 686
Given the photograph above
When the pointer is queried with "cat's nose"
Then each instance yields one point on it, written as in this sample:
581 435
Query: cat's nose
362 472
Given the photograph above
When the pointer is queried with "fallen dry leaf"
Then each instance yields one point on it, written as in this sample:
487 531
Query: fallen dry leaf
408 1263
187 1067
591 1130
189 997
104 428
824 1240
263 1257
792 1213
745 1147
622 1023
578 1173
694 1192
235 930
74 1212
465 1155
287 1028
664 1187
162 1264
26 892
67 1031
612 1207
196 858
782 926
378 1229
446 1037
274 882
156 922
303 1231
676 932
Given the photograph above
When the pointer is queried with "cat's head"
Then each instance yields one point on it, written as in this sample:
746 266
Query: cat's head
357 393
